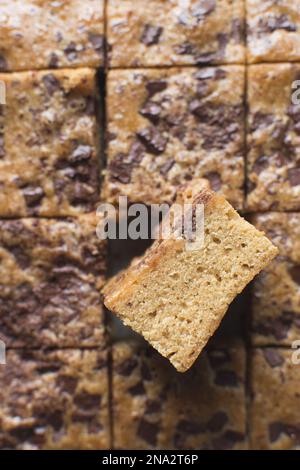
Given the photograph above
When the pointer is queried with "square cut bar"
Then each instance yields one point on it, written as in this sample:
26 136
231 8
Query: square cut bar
49 144
155 407
50 275
273 138
167 126
38 34
275 404
273 31
176 297
276 291
54 400
159 32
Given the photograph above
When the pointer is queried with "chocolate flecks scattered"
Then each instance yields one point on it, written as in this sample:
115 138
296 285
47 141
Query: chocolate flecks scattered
53 61
273 358
2 148
148 432
67 383
167 166
3 63
151 34
22 257
71 51
97 41
277 327
203 8
122 165
214 179
154 142
127 367
275 22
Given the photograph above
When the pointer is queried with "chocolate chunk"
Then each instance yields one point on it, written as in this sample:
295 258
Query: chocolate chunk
151 111
81 153
190 427
153 406
210 73
148 432
2 148
151 35
228 440
137 389
145 372
274 22
88 401
156 86
203 8
295 274
33 195
277 327
51 83
217 422
152 139
218 357
277 428
3 63
23 433
214 179
260 164
55 419
185 48
22 258
237 30
166 167
226 378
127 367
67 383
273 358
294 176
261 121
53 61
122 165
71 51
97 41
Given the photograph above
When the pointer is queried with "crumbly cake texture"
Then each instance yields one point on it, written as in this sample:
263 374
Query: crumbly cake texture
273 138
273 31
49 144
69 34
276 294
155 407
160 32
176 297
275 404
54 400
50 275
167 126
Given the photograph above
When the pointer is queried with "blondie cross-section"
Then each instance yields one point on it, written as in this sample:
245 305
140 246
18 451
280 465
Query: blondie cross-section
50 275
167 126
155 407
276 293
176 297
54 400
275 404
174 32
49 143
273 138
38 34
273 31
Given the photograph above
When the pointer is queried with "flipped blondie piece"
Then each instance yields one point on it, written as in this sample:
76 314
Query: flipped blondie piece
160 32
274 412
49 144
273 138
276 293
273 31
167 126
50 275
176 297
155 407
54 400
38 34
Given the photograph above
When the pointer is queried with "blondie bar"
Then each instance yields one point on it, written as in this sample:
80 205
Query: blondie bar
49 144
54 400
155 407
38 34
276 294
176 296
50 275
275 406
273 138
167 126
160 32
273 30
